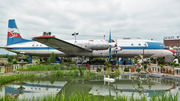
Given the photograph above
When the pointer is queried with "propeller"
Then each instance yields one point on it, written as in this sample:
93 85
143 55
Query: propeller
109 45
114 46
116 51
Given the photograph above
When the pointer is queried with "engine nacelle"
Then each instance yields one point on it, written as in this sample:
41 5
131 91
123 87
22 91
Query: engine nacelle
112 45
98 45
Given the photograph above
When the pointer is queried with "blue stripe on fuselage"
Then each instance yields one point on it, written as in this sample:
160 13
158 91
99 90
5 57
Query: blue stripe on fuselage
151 45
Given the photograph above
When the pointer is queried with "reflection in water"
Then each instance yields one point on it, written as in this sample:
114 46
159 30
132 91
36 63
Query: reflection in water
139 87
123 85
21 88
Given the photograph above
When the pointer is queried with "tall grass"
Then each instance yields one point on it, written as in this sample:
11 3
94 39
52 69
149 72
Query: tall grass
50 67
87 97
41 68
16 77
89 73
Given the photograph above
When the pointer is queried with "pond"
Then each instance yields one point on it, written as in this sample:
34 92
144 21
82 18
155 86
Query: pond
123 85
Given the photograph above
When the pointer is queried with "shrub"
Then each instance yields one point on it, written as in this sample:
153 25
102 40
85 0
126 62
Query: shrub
98 70
15 62
73 67
9 63
106 63
172 64
10 59
176 65
83 68
117 72
161 65
126 69
145 66
105 68
52 58
166 64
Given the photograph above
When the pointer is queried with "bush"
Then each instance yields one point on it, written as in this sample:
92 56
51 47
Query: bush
9 63
135 60
117 72
161 65
15 62
126 69
176 65
73 67
82 68
106 63
172 64
145 67
98 70
10 59
105 68
52 58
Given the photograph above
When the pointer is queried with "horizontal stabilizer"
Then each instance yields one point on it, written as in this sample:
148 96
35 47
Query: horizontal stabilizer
6 47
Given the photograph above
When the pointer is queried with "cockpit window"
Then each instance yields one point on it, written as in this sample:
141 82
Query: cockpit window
145 44
161 44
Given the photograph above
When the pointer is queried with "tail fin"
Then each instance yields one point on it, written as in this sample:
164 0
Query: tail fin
13 35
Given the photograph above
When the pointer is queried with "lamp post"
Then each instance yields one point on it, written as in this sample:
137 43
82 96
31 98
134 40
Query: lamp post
74 34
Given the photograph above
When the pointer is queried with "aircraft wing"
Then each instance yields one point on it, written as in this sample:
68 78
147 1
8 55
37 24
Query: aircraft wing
60 45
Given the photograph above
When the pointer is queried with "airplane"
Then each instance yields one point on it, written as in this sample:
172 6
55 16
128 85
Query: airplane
46 44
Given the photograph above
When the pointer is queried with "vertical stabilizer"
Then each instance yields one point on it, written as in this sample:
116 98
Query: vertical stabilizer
13 35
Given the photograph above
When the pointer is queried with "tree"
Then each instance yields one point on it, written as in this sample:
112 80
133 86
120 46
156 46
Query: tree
52 58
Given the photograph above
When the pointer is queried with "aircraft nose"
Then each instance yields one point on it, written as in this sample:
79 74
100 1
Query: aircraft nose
172 50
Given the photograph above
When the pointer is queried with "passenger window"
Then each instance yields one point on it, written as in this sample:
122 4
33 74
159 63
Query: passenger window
132 44
139 44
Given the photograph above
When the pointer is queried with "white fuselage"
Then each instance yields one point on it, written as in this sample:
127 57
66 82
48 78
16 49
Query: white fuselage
130 48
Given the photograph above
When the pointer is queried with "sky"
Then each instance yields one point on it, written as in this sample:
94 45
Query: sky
92 19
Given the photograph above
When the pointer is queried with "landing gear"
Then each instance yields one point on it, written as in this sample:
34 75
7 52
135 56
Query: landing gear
30 59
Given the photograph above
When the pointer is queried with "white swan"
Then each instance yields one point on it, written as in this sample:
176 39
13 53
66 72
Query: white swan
110 79
105 79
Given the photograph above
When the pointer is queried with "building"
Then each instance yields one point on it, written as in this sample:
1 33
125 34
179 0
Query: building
172 41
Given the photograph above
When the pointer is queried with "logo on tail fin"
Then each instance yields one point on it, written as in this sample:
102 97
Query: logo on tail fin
13 34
